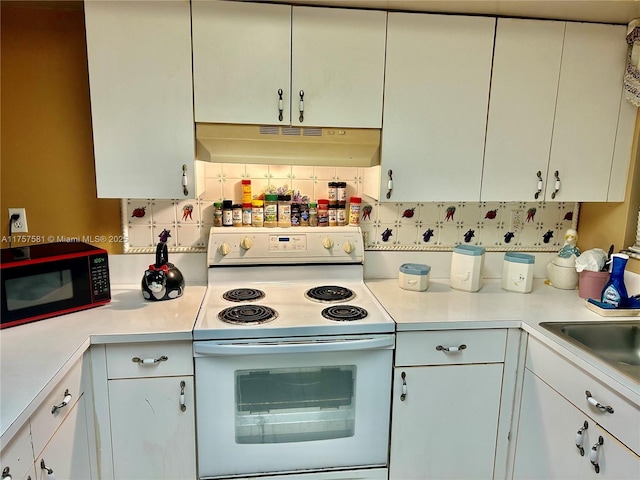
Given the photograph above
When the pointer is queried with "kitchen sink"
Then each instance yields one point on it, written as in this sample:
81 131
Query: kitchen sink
615 342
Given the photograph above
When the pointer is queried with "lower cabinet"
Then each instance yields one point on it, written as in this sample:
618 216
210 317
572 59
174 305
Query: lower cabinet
557 440
446 404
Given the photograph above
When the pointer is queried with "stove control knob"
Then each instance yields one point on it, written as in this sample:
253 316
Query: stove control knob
246 243
327 243
348 247
224 249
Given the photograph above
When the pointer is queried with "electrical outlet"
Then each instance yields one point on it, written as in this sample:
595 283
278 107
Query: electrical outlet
19 225
516 220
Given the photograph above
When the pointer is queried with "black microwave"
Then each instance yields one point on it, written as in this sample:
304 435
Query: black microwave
46 280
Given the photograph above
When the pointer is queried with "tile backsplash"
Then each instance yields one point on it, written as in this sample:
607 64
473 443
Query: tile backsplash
386 226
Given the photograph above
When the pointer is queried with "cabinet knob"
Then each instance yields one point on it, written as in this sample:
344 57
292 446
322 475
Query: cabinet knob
149 361
48 470
595 453
183 405
6 475
185 181
540 184
580 438
597 404
301 117
403 395
453 349
280 108
556 187
64 403
389 183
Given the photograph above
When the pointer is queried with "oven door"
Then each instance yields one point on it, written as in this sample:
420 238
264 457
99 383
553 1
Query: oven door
280 405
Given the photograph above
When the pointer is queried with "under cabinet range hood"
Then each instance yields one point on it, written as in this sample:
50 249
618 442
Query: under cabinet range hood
276 145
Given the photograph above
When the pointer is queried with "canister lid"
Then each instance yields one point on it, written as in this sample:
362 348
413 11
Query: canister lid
519 257
415 268
472 250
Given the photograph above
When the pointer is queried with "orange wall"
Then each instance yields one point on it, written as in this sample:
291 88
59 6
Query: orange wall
47 146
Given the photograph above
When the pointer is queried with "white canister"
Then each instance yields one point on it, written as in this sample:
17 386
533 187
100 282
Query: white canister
467 263
517 272
414 276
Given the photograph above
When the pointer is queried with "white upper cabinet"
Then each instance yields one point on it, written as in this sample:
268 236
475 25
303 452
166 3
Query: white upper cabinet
526 69
246 53
590 112
437 76
139 58
241 59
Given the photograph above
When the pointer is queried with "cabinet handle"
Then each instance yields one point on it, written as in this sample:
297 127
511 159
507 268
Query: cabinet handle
280 117
598 405
556 187
183 405
440 348
301 117
540 184
595 451
64 403
580 438
185 190
6 475
403 396
149 361
389 183
50 474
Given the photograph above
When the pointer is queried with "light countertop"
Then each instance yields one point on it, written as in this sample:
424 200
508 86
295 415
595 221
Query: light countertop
36 355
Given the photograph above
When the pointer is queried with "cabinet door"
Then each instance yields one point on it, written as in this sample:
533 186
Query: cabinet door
446 425
338 62
547 434
152 437
67 452
139 56
524 83
241 58
435 105
588 106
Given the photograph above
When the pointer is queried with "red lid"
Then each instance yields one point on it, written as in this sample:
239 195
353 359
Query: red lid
355 200
246 182
323 201
247 205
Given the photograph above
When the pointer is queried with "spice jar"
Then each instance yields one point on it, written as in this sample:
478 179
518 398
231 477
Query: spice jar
284 210
333 194
271 210
341 192
333 215
217 214
323 212
313 214
304 214
341 214
246 191
257 213
227 213
354 211
295 214
246 214
236 215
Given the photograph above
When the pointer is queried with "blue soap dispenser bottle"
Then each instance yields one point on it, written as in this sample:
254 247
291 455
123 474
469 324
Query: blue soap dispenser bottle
614 292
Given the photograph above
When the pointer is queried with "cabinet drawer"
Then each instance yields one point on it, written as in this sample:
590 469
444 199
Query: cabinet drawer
464 346
46 420
17 456
572 383
154 359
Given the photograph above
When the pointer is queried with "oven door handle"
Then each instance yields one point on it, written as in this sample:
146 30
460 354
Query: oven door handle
209 348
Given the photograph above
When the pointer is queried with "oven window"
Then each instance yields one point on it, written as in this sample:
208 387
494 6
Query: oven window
295 404
40 289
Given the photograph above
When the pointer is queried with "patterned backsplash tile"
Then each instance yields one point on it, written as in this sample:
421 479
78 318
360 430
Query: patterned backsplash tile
503 226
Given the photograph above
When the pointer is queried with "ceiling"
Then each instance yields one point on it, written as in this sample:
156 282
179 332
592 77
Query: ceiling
603 11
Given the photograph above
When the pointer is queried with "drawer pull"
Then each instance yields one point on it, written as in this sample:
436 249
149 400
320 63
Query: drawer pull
149 361
598 405
403 395
183 405
50 474
580 438
440 348
595 451
6 475
64 403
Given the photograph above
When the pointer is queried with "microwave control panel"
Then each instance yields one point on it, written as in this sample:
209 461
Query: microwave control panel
99 268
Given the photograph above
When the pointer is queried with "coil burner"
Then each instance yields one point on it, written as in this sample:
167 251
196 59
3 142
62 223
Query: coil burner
248 314
330 294
344 313
243 294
